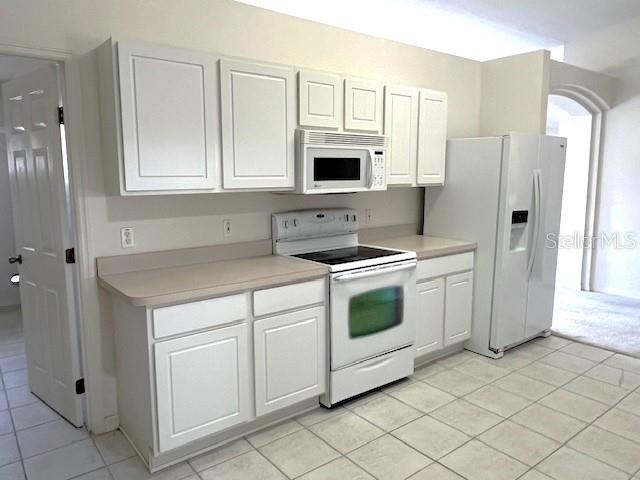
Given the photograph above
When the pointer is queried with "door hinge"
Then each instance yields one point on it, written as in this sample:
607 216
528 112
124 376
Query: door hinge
80 386
70 255
61 115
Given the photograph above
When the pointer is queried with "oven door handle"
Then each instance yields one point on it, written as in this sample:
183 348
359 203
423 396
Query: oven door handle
374 272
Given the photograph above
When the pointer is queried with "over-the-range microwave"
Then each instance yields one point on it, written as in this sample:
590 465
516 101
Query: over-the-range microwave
333 162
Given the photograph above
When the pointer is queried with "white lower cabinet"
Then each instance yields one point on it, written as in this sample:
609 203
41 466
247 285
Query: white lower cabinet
430 326
289 356
457 320
202 384
445 298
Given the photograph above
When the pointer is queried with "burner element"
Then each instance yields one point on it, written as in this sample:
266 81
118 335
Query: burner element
346 255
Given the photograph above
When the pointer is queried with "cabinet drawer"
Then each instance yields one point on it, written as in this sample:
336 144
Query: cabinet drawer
440 266
298 295
187 317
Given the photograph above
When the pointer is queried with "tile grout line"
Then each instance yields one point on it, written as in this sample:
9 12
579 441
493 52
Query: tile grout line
565 443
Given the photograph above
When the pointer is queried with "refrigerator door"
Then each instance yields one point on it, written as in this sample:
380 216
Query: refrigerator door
517 221
543 268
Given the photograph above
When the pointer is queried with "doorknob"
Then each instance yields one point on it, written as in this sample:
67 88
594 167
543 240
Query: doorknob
16 259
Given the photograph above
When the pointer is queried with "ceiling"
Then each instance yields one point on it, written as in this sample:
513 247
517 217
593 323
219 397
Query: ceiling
559 19
11 66
476 29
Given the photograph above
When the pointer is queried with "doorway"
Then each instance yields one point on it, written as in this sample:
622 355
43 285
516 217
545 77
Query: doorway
567 118
39 342
580 313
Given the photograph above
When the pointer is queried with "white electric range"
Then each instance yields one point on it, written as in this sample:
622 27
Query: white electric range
372 298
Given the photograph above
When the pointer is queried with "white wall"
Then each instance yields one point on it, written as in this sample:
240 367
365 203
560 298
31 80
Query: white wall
514 94
616 51
233 29
9 294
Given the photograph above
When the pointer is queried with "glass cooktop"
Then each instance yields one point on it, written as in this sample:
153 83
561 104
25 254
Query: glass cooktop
346 255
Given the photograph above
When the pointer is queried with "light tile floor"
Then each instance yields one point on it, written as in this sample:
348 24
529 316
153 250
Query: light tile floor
551 409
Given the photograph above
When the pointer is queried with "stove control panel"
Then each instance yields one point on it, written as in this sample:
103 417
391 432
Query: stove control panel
300 224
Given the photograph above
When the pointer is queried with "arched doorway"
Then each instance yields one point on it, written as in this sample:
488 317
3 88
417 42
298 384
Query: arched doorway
568 118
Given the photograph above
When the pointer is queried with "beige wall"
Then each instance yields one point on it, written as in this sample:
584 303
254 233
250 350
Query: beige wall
616 51
223 26
514 94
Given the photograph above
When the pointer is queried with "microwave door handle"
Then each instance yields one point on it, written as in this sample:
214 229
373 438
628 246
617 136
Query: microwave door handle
369 169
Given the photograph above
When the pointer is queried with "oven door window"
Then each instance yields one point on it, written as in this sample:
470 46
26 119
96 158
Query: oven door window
375 311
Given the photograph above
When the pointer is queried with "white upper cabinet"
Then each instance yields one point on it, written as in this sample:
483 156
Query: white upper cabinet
320 97
363 105
169 119
432 137
401 126
258 116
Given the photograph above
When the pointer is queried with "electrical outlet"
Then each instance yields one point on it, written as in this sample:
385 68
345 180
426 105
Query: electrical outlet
226 228
368 216
126 237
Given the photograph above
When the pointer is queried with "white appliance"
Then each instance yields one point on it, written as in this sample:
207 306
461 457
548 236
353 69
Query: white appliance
372 299
505 193
332 162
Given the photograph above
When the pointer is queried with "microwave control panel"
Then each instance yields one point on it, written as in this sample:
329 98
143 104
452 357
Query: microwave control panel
378 170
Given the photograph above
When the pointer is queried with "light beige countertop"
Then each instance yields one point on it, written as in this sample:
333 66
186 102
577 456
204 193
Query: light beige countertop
174 284
175 276
426 246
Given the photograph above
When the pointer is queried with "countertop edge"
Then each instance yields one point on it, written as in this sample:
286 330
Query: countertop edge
213 291
443 252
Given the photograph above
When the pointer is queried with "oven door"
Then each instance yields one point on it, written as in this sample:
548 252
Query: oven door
372 312
338 168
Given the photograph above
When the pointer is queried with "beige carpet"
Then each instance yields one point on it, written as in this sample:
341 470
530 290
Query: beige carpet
598 319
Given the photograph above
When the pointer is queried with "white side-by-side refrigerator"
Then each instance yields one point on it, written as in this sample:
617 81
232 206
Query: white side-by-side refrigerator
504 193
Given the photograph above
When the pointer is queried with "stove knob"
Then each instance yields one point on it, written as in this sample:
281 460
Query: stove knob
346 217
285 224
295 222
353 218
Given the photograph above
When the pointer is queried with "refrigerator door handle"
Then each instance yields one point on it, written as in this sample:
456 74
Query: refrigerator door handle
536 227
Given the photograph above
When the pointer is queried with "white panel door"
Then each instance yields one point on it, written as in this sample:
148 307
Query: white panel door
430 317
202 385
401 126
542 277
169 116
458 308
42 219
290 360
258 125
362 105
432 137
320 97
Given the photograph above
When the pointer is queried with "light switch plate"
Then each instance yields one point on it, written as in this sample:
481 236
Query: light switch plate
226 228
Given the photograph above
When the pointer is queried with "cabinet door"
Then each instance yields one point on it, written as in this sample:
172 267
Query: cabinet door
432 137
258 125
169 119
202 385
458 308
290 361
430 318
362 105
320 97
401 126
